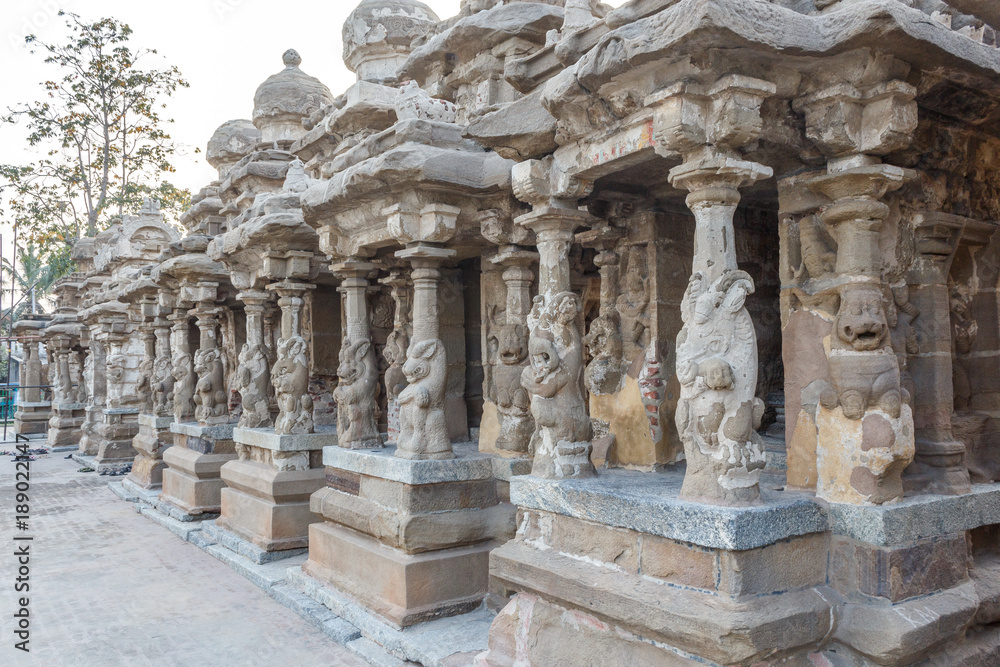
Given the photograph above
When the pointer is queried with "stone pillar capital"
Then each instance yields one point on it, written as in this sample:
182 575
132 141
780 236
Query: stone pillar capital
851 118
726 115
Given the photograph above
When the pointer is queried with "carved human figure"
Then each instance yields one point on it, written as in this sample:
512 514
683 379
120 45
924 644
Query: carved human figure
718 412
864 371
633 307
423 431
605 371
358 372
290 378
211 387
511 344
561 441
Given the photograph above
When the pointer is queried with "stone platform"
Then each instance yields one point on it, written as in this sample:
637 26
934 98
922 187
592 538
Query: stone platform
265 501
191 482
410 540
659 580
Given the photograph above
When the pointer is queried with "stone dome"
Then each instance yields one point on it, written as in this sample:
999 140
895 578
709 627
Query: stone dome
229 143
378 33
286 98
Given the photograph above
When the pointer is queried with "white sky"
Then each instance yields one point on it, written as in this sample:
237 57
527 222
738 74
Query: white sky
224 48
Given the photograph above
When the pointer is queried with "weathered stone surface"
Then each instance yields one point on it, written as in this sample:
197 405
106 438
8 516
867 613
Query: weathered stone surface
469 464
651 504
393 584
898 573
918 517
690 620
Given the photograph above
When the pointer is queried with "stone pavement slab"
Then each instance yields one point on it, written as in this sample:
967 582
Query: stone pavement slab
110 587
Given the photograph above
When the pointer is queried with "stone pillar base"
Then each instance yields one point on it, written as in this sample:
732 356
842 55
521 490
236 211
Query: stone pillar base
410 540
620 565
153 438
65 424
114 434
32 417
191 481
939 467
265 505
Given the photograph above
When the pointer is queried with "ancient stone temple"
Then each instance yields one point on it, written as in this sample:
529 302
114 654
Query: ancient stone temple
664 334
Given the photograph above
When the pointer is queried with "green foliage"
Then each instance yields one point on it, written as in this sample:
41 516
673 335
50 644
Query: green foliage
32 277
101 134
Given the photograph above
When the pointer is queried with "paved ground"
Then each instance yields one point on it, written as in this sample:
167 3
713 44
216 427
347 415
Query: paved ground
110 587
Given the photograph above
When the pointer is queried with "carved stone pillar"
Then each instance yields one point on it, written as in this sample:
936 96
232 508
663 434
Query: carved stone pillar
510 338
396 345
183 367
939 465
211 399
423 431
290 375
603 374
144 387
254 373
114 336
63 389
163 379
31 371
562 437
358 370
864 424
718 411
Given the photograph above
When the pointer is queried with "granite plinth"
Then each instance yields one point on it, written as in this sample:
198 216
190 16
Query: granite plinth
236 544
650 503
917 517
153 421
469 464
505 468
120 411
39 404
266 438
195 430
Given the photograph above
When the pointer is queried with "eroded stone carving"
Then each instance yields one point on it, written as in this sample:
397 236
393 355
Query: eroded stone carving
358 372
423 432
291 387
554 380
864 372
511 343
718 412
290 375
211 387
253 375
633 305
